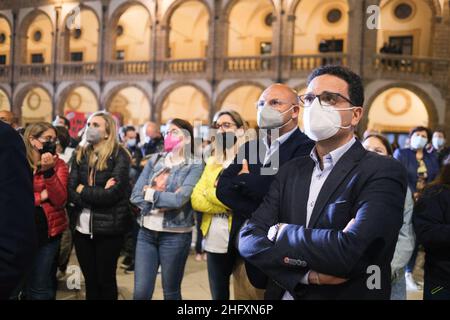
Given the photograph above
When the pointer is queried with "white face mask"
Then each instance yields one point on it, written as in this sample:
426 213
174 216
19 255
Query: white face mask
418 142
322 123
269 118
438 142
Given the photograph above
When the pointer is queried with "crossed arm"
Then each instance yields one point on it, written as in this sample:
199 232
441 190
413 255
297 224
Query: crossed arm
379 212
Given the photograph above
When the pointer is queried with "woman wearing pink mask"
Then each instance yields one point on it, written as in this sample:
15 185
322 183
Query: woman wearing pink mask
162 193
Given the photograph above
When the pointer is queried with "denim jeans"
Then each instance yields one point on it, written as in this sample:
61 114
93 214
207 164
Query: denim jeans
154 248
41 284
398 287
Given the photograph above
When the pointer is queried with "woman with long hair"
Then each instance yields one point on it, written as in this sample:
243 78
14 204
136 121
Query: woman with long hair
99 189
163 194
431 220
50 175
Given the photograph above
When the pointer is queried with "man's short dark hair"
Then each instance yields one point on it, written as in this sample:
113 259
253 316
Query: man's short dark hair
355 85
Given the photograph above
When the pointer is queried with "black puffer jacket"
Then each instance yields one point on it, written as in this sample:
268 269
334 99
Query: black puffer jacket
110 210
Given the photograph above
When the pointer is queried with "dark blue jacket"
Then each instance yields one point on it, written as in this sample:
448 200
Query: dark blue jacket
18 239
244 193
362 185
431 220
408 158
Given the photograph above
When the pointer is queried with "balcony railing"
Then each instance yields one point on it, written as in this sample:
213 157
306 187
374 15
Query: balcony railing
402 66
125 69
38 72
78 71
387 66
307 63
5 72
248 64
184 66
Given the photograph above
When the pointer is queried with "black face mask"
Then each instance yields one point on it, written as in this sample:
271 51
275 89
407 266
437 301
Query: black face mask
48 147
225 140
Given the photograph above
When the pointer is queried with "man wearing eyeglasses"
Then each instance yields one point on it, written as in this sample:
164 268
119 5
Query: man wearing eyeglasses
327 229
243 185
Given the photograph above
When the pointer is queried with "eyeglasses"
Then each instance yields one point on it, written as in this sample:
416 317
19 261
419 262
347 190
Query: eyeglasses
48 139
273 103
224 125
326 99
173 132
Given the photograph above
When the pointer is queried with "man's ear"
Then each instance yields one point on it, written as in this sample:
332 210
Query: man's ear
358 113
296 111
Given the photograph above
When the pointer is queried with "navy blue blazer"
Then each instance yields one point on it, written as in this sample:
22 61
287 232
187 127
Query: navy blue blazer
243 194
408 158
362 185
18 242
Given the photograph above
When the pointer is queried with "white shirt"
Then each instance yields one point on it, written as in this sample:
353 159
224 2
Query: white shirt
275 145
216 240
154 221
83 221
318 179
319 176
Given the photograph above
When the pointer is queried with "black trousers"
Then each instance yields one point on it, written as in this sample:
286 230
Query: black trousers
220 267
98 261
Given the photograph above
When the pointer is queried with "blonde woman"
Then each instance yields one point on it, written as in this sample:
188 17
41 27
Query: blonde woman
50 195
216 221
100 190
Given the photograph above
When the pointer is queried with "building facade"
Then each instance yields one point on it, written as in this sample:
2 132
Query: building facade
157 59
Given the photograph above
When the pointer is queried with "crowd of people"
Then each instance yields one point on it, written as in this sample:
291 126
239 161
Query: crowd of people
287 214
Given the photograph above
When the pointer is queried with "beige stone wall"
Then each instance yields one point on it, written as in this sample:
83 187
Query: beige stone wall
233 28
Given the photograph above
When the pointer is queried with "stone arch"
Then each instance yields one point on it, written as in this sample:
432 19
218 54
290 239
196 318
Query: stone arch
65 33
424 97
221 97
112 93
21 37
20 97
226 12
5 101
167 91
114 20
64 95
165 23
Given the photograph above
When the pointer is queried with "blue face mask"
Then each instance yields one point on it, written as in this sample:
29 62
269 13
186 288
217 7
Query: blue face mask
418 142
131 143
438 143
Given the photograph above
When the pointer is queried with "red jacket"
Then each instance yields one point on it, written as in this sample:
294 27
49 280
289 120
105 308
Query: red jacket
54 206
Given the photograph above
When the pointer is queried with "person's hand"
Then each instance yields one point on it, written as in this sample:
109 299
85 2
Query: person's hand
48 161
80 188
349 225
324 279
110 183
244 169
44 195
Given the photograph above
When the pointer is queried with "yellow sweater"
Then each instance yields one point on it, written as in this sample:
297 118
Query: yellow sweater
204 199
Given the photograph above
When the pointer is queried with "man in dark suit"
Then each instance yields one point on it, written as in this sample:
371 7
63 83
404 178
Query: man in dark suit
327 229
243 185
17 223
